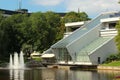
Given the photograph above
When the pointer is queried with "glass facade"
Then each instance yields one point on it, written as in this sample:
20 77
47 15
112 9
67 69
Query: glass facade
63 55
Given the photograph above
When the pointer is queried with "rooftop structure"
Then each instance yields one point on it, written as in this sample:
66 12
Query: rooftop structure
90 44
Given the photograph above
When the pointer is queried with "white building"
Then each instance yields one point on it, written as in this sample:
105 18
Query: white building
91 44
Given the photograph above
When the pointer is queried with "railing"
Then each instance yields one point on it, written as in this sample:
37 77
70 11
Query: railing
110 32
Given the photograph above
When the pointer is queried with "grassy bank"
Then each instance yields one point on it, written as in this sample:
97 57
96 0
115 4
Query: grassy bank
113 63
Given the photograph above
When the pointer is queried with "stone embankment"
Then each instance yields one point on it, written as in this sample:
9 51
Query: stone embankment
84 67
108 68
59 67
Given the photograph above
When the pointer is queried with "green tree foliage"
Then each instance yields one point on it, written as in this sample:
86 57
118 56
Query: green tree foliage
45 29
35 32
28 33
2 45
55 25
117 38
39 31
74 17
113 57
12 37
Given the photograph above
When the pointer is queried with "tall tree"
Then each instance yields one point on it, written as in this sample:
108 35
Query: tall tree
74 17
39 31
45 30
117 38
12 36
55 27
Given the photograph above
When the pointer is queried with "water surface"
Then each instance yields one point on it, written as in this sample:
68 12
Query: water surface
56 74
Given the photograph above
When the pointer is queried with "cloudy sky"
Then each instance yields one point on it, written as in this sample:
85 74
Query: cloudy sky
91 7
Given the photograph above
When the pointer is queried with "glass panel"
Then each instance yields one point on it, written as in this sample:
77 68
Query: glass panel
63 55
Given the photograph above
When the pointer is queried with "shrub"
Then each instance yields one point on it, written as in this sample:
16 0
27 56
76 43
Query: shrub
113 57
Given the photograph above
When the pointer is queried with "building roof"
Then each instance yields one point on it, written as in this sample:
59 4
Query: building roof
61 14
48 55
110 19
75 24
35 54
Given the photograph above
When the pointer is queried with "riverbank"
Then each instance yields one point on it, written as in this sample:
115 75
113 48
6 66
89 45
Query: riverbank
73 67
114 65
108 68
99 67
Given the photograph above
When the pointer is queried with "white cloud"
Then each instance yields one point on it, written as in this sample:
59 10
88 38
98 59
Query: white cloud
93 7
47 2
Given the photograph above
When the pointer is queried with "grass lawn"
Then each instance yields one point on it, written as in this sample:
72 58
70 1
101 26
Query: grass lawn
114 63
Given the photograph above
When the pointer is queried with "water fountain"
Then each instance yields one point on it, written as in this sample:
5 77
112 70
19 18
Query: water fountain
17 61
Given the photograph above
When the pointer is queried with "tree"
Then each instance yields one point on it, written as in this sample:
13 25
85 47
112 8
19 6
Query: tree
83 16
39 31
117 38
46 28
2 41
74 17
35 32
12 37
55 27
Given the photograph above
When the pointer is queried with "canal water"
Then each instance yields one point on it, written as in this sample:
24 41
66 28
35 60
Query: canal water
57 74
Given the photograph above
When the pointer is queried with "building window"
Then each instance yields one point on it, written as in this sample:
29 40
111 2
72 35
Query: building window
112 25
99 60
64 55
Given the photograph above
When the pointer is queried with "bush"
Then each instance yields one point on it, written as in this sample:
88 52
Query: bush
113 57
37 59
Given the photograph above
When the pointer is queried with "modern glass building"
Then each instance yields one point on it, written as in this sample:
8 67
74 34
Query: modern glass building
90 44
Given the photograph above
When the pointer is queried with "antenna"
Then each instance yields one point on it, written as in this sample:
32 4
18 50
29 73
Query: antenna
20 4
78 10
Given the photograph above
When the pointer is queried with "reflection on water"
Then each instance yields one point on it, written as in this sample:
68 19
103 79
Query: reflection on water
57 74
16 74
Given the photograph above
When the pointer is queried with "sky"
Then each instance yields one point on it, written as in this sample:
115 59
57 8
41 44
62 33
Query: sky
91 7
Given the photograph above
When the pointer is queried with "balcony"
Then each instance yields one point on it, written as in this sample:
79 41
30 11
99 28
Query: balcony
109 32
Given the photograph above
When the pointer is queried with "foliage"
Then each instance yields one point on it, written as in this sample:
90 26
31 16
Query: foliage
12 37
35 32
75 17
37 59
45 29
113 57
117 38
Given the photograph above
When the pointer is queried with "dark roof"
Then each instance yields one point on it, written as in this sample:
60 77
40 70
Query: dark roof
10 12
61 14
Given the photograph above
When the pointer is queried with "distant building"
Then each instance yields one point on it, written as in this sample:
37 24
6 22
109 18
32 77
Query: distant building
22 11
10 12
90 44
